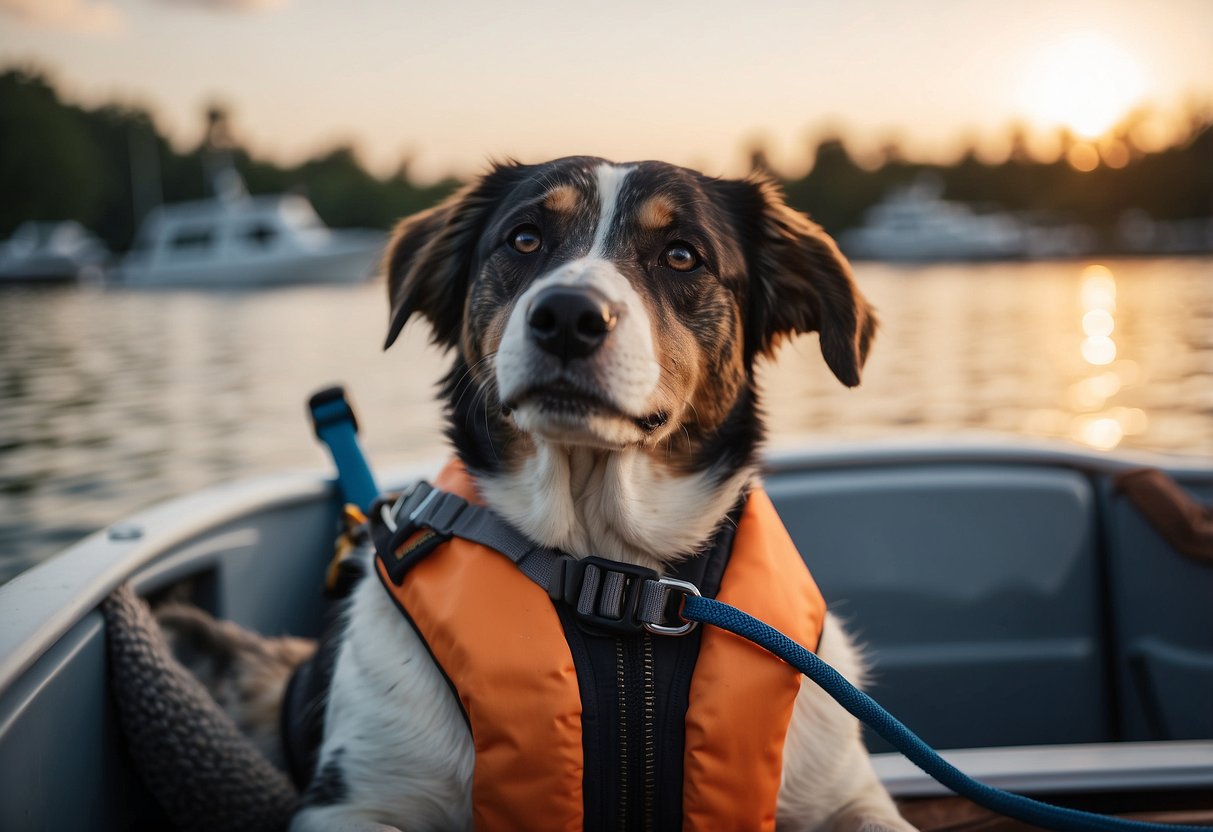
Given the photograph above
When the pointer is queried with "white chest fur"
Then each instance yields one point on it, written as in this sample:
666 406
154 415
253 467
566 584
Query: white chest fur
618 504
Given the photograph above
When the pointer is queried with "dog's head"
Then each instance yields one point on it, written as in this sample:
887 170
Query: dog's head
619 306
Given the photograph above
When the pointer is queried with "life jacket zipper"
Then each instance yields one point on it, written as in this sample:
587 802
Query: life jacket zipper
637 700
621 687
650 736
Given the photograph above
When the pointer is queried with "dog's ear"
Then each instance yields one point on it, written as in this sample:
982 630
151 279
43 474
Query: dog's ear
799 281
428 260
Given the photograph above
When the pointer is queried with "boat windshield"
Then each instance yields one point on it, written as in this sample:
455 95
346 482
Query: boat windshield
299 213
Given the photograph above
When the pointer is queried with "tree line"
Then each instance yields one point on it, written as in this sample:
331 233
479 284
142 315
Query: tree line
1175 183
63 161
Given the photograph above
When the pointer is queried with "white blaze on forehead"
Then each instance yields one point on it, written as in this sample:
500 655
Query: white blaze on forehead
610 185
626 366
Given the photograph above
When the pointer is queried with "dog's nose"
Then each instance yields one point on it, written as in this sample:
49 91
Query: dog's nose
570 323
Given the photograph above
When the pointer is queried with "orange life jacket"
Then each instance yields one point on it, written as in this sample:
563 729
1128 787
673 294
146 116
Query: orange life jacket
499 639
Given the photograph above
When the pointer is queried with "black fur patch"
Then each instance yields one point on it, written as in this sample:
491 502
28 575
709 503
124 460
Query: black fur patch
475 425
328 787
735 443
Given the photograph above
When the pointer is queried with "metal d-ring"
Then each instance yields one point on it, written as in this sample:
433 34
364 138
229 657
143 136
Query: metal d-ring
686 588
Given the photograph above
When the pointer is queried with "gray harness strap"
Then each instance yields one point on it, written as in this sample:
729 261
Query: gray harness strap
604 593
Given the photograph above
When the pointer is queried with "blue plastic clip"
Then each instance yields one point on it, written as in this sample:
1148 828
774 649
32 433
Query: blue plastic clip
335 425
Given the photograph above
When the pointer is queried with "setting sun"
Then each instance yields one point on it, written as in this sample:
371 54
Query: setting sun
1085 82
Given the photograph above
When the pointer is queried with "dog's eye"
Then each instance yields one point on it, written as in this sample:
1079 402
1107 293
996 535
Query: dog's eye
526 239
680 257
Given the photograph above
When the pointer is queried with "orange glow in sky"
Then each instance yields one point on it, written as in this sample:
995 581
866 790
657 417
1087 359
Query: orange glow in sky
450 85
1085 81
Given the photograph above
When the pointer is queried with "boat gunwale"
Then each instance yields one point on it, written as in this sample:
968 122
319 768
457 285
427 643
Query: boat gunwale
1061 769
977 448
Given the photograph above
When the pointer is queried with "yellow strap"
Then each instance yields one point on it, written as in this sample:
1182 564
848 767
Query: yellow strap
351 518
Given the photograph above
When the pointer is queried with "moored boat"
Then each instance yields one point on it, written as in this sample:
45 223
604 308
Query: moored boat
52 252
915 223
238 240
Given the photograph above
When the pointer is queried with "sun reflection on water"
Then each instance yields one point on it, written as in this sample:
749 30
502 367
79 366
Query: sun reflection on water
1098 288
1101 432
1098 425
1099 350
1098 323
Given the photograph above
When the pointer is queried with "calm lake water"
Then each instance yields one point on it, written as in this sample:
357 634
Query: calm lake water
114 399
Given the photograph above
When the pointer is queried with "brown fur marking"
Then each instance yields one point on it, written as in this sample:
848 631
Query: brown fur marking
656 213
562 199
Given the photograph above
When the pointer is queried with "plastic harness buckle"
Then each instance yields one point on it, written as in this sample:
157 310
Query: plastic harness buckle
621 597
424 509
605 593
401 516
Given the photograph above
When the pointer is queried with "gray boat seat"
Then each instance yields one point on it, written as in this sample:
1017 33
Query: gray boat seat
1164 627
975 590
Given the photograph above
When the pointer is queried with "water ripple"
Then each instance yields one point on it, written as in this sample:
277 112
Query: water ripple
111 400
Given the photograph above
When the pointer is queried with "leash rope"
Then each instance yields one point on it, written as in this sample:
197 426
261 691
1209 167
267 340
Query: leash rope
893 731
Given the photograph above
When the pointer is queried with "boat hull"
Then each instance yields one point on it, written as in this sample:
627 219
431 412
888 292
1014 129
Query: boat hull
49 270
341 264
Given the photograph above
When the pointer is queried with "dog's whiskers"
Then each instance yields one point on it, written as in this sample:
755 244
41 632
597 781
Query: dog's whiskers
466 374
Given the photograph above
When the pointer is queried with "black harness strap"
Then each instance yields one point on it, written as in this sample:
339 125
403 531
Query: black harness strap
614 596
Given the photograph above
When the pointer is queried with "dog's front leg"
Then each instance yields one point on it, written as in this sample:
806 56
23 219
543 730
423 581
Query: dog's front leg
396 751
828 781
336 819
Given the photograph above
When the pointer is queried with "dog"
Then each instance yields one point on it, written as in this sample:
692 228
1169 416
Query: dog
605 321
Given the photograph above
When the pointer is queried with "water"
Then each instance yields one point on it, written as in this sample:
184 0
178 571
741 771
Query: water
113 399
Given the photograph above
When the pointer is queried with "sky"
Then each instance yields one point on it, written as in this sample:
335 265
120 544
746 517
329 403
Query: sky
452 84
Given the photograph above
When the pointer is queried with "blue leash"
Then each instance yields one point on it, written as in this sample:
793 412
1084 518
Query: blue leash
335 425
866 709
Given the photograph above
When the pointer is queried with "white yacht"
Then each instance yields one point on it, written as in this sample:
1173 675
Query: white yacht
235 240
915 223
52 252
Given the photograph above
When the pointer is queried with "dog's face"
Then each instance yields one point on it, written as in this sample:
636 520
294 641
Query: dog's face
616 306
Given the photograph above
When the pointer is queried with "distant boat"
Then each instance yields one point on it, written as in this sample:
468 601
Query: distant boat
239 240
916 224
52 252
